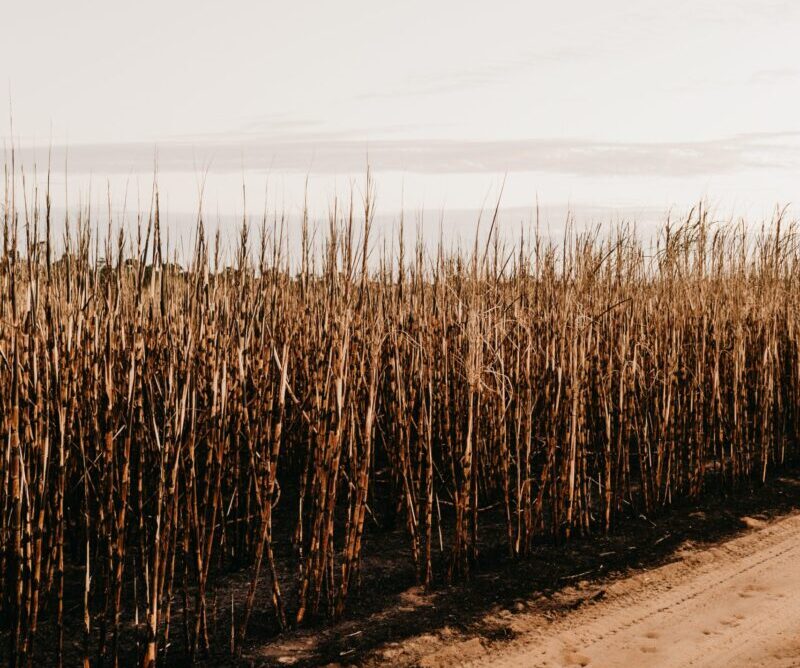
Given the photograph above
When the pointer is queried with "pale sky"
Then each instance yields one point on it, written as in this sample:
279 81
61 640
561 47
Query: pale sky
618 105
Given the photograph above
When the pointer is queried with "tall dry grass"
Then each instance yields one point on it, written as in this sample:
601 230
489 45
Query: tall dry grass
161 427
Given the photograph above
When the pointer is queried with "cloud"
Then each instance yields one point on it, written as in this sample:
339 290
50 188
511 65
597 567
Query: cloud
279 130
562 156
483 75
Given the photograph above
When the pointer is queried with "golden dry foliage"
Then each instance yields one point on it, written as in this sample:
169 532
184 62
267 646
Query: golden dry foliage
159 427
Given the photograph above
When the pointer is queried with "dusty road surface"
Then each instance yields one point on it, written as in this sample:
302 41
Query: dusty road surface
735 604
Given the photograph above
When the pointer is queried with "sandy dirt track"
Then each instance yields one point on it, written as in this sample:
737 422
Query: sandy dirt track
734 604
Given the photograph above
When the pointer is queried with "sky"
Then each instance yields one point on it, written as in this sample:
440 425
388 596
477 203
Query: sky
613 108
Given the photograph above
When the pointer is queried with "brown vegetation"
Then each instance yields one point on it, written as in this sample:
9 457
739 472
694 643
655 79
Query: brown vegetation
158 425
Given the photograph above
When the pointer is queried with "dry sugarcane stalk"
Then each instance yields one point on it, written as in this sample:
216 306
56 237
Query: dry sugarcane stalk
151 416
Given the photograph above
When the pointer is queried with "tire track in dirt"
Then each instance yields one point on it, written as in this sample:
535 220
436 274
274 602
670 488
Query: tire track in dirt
733 604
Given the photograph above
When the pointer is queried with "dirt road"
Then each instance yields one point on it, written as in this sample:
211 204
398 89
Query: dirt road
735 604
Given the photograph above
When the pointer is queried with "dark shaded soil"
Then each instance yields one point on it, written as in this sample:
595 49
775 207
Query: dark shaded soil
390 609
387 608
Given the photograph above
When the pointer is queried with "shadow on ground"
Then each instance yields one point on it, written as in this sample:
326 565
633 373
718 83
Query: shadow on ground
389 609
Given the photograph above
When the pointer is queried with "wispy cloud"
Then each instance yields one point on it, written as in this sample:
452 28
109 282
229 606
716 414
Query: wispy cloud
483 75
284 129
563 156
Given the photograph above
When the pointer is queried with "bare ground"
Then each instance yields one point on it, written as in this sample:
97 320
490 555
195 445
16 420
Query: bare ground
713 585
731 605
